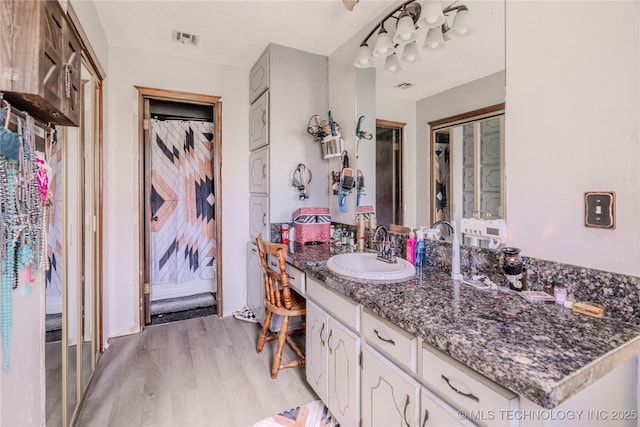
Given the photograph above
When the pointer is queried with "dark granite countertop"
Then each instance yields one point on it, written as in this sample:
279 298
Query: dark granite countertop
545 353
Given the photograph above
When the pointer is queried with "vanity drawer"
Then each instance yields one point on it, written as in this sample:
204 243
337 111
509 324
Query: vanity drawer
340 307
296 277
395 343
465 389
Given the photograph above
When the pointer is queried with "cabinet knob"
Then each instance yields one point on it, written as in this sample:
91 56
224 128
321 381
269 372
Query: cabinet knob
426 417
264 117
154 218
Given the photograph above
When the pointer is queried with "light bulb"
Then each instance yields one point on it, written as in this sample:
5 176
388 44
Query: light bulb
384 45
432 15
392 64
462 23
434 39
364 58
405 30
410 52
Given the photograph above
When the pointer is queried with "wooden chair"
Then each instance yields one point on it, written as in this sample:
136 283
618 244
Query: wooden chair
280 300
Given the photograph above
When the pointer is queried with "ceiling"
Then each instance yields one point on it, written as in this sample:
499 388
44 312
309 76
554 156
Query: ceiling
235 32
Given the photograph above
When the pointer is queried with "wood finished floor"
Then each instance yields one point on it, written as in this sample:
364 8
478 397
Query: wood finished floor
196 372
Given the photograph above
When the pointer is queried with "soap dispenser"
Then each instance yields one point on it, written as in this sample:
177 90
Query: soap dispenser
420 253
411 248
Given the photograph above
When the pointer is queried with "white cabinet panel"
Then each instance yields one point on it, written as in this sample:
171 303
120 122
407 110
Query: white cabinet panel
259 171
435 413
464 388
259 122
259 77
255 287
389 396
332 368
316 351
259 216
395 343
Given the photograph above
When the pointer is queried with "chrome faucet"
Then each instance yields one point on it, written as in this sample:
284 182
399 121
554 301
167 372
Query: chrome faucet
386 248
455 249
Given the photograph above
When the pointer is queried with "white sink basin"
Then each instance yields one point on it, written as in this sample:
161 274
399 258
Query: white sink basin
366 266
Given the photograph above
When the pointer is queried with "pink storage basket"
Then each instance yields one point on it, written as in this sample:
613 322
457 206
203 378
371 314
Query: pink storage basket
312 225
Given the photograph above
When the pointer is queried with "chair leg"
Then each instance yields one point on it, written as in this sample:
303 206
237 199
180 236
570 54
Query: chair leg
282 339
263 334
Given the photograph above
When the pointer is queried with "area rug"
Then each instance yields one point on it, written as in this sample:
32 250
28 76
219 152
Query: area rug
312 414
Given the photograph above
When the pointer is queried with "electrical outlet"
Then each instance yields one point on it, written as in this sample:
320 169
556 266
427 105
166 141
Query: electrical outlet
599 209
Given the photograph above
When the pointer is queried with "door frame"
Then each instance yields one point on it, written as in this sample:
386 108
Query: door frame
144 176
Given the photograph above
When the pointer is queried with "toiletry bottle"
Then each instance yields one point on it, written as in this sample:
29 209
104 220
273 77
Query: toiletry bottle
360 235
411 248
420 253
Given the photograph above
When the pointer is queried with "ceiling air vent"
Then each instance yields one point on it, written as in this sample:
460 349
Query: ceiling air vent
186 38
404 85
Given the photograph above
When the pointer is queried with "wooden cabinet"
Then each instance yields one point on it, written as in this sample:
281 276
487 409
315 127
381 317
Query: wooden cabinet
395 343
40 60
333 370
390 397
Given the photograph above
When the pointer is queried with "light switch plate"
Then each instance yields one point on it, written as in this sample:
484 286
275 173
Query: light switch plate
599 209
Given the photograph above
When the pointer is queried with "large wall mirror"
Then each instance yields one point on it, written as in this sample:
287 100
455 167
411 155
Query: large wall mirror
465 75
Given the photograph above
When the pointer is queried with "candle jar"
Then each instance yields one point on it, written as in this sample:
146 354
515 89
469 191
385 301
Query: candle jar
511 261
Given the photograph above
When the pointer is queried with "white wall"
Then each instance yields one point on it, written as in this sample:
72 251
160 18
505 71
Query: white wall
129 67
86 12
572 125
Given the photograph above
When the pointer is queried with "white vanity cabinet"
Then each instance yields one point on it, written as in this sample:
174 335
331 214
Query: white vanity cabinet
333 351
390 397
466 390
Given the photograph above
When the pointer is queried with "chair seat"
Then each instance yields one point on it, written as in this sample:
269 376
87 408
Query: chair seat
298 306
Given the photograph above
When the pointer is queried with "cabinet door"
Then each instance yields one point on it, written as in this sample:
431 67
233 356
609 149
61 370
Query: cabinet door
255 287
259 77
316 350
259 216
436 413
259 122
259 171
344 373
70 77
389 396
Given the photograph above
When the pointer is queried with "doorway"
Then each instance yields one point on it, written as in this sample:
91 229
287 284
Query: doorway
389 139
180 208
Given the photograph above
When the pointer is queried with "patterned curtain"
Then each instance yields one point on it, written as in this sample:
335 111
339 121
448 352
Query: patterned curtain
183 245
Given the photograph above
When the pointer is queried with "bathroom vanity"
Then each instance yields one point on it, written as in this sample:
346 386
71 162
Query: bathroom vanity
428 351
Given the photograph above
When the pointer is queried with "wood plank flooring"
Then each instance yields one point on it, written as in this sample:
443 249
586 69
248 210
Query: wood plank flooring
196 372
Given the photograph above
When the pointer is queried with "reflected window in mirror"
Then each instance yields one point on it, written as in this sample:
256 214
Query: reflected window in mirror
389 149
467 165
